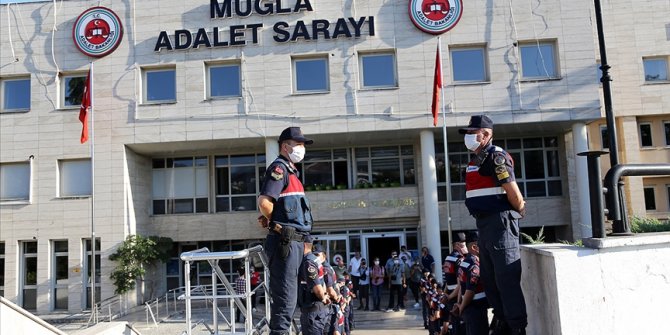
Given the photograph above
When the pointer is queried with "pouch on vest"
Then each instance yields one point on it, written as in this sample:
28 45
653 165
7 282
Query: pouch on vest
287 234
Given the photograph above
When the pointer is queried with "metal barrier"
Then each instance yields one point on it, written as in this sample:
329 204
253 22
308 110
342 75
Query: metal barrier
233 298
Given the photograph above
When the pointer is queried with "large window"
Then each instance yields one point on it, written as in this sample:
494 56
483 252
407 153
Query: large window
180 185
160 85
224 80
384 166
72 89
75 178
14 182
378 70
2 269
655 69
310 74
28 282
536 166
469 64
649 199
325 169
538 60
59 274
15 94
238 181
645 135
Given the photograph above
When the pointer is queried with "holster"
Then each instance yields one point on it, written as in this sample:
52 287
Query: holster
287 235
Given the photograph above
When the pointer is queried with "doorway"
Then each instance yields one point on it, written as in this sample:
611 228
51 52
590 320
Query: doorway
381 247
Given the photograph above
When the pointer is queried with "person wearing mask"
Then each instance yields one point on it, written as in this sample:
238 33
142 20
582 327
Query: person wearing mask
364 286
254 280
339 267
377 275
427 260
415 275
388 268
313 297
472 305
406 254
396 284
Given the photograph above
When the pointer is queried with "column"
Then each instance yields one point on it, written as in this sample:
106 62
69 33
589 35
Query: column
271 150
581 144
431 217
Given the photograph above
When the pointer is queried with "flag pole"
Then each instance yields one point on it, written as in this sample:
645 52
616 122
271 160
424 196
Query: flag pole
447 174
92 147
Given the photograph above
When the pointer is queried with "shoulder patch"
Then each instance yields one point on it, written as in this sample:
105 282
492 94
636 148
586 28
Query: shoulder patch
312 272
499 160
277 173
500 169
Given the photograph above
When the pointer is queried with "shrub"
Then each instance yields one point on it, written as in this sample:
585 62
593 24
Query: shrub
539 239
648 225
134 255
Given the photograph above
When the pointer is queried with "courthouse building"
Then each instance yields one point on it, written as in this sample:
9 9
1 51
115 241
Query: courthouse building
189 97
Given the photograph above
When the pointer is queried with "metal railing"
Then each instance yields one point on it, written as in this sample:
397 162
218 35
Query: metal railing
213 295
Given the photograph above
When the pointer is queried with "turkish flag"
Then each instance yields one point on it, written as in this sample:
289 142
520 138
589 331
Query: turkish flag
437 85
84 109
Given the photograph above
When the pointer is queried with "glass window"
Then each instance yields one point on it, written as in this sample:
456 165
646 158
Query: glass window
384 166
666 131
224 80
649 199
469 64
655 69
538 60
325 169
310 75
378 70
180 185
160 85
238 181
14 181
28 282
75 178
645 135
59 275
72 89
604 137
16 94
2 269
87 271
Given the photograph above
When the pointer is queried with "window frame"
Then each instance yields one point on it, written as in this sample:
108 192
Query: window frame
61 169
485 63
370 158
27 200
259 165
667 70
538 44
145 84
332 161
62 78
653 194
377 53
208 79
23 285
170 203
97 273
666 132
294 73
651 134
55 286
603 129
3 268
3 83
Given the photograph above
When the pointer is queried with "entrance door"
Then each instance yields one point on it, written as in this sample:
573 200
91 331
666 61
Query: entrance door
381 247
335 246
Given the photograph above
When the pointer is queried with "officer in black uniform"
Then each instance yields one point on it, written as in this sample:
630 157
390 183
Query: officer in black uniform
312 295
493 198
286 213
473 304
450 272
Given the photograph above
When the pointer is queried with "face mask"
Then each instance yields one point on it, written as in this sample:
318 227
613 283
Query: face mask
396 262
376 262
471 142
297 154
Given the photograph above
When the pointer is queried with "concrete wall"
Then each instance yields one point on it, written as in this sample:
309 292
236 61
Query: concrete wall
619 286
15 320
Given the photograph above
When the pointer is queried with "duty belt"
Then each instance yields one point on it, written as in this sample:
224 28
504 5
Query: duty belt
317 306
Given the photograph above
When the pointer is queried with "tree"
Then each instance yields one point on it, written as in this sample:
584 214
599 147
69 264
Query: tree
134 256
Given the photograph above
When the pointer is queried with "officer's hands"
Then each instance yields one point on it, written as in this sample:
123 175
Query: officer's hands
456 310
326 300
263 222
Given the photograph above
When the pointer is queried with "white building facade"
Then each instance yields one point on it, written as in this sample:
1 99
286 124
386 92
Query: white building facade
188 108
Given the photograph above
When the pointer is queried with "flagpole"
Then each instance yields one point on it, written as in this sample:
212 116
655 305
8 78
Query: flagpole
92 148
447 174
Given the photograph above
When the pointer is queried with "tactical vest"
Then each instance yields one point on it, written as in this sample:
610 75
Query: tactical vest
292 207
306 296
482 192
466 265
450 272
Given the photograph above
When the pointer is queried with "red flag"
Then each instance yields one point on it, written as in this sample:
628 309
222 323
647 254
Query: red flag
437 85
84 109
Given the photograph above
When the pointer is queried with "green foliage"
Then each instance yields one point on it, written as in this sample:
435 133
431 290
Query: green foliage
577 243
539 239
648 225
133 256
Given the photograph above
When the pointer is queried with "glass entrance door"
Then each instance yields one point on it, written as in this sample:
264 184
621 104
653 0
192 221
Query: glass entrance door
336 245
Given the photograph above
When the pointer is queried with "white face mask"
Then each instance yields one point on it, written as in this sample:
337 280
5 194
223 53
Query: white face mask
297 154
396 261
376 262
471 142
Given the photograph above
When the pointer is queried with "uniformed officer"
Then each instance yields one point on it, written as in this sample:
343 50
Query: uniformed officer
450 272
473 304
286 213
329 279
495 201
312 296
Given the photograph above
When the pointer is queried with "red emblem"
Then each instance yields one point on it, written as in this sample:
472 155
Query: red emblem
435 9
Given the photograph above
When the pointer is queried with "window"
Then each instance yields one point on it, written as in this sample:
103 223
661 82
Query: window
28 281
59 274
666 131
536 166
604 137
15 94
469 64
310 75
645 135
655 69
384 166
224 80
87 270
160 85
75 178
14 182
538 60
377 70
325 169
180 185
649 199
238 181
72 89
2 269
